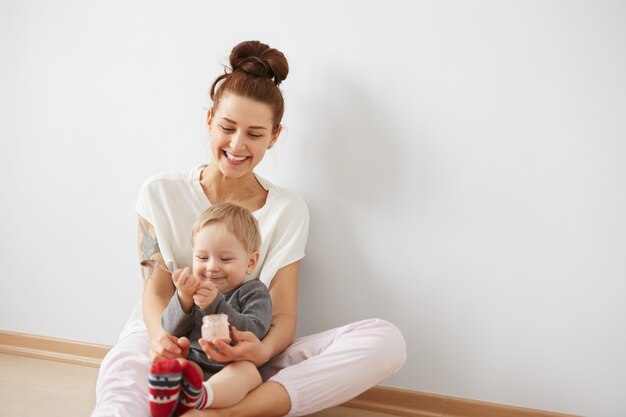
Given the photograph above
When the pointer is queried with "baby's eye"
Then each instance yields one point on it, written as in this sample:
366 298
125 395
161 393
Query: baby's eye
201 258
227 259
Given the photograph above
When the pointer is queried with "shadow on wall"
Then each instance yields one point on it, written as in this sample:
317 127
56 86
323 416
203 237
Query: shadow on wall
352 152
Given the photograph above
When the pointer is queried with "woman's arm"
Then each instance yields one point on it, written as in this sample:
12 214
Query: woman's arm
284 293
158 289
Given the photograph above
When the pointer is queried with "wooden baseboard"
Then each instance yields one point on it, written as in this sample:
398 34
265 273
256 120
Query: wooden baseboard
61 350
407 403
388 401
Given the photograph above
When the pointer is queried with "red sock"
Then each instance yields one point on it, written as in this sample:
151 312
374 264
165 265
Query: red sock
192 393
164 387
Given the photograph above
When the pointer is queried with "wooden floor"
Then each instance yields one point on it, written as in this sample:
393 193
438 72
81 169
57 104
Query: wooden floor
42 388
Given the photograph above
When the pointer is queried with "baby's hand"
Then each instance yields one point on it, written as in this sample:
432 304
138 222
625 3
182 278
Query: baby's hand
185 283
205 294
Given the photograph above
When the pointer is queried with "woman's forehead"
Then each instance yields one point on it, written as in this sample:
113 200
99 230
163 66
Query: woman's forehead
244 111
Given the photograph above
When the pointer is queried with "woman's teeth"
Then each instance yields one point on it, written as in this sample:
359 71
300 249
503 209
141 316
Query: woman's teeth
233 157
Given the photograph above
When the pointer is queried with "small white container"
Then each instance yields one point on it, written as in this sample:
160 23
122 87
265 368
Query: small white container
216 326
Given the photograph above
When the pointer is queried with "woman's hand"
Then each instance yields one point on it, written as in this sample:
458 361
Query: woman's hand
248 348
167 346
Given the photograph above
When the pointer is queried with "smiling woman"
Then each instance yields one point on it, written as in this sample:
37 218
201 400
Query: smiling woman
241 131
300 377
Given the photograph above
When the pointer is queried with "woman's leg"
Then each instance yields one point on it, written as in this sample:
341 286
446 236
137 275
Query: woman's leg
269 399
323 370
122 386
341 364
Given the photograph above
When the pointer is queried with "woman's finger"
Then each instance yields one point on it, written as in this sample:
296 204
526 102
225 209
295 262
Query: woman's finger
220 351
168 344
160 354
184 344
220 356
242 336
206 347
223 347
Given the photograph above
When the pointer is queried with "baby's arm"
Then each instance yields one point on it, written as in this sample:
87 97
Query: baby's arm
186 285
175 320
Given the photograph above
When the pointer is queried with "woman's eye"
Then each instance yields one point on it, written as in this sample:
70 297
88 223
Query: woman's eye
255 135
227 129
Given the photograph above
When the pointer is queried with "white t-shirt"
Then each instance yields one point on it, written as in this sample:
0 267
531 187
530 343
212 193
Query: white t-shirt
173 201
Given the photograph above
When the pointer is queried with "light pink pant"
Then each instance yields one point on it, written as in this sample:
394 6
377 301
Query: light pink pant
318 371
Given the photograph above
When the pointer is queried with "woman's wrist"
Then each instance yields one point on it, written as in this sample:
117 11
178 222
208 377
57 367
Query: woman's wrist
264 354
155 332
152 320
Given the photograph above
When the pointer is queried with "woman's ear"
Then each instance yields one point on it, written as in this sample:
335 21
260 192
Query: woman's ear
275 136
209 117
252 261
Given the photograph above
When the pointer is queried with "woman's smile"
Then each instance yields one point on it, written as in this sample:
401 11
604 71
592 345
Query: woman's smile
234 158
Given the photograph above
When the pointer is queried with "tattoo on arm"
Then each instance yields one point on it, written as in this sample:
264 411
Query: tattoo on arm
148 247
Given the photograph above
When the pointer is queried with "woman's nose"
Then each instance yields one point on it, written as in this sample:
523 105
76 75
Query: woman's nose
236 141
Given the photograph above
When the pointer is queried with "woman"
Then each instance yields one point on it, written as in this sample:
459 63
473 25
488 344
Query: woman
243 123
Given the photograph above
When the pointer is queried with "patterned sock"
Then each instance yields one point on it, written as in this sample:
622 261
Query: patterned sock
193 394
164 387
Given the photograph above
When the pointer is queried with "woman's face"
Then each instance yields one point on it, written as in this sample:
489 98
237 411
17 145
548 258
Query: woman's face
241 132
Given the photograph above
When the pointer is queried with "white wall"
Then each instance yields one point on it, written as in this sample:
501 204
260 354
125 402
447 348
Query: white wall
463 163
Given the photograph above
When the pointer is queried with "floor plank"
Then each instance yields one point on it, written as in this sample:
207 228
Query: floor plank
42 388
347 412
36 387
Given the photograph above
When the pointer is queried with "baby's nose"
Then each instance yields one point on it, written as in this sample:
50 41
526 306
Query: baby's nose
212 266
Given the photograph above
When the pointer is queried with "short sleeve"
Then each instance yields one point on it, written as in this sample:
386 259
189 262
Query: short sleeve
287 239
169 203
143 206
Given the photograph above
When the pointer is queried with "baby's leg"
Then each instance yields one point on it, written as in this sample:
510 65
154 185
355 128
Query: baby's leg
226 388
233 383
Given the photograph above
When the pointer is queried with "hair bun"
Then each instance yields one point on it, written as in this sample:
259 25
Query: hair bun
258 59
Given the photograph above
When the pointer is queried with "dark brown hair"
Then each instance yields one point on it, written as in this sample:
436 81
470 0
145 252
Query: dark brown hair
255 72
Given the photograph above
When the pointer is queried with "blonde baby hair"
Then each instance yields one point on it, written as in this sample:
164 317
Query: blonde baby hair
238 220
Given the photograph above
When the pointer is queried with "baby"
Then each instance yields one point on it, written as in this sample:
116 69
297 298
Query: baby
226 242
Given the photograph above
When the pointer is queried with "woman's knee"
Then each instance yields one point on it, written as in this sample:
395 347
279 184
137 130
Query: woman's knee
387 343
123 367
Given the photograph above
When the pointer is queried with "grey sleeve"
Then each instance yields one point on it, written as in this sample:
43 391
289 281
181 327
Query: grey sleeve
174 320
253 299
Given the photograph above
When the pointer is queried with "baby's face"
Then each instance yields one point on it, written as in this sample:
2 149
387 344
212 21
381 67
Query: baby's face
219 257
